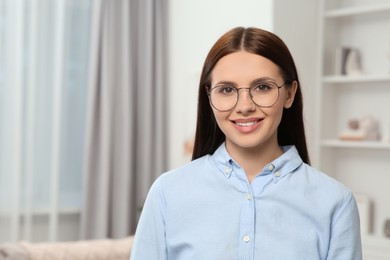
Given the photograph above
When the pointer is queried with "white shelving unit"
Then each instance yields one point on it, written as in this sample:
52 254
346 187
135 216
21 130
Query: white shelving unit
363 166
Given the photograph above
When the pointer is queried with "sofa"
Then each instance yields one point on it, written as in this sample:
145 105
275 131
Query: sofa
99 249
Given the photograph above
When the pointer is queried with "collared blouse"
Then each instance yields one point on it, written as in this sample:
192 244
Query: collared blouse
208 210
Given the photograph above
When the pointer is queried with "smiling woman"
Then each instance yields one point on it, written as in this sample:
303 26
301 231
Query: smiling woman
43 63
252 122
249 186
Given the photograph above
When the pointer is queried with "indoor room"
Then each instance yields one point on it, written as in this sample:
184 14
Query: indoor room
99 99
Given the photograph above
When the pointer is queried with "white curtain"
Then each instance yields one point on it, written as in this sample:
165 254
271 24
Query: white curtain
127 116
43 74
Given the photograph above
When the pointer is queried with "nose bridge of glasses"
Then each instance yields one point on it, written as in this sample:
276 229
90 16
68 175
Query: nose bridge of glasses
244 99
248 88
249 92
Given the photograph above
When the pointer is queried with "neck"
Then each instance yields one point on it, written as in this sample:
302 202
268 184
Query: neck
254 159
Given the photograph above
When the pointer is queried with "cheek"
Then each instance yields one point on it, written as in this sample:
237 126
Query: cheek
219 116
275 113
221 119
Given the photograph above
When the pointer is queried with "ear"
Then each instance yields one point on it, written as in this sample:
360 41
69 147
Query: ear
291 90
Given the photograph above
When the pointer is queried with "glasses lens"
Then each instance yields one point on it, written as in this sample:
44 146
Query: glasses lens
223 98
265 94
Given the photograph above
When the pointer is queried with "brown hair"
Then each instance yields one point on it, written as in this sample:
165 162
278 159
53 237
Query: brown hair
208 136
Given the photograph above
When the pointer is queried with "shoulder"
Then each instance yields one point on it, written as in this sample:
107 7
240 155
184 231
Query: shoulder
188 169
321 194
327 187
191 172
186 183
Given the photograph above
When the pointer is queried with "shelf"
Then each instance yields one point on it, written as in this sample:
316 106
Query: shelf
376 240
356 144
357 78
357 10
340 98
376 247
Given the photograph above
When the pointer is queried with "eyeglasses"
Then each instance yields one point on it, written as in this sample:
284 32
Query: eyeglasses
224 97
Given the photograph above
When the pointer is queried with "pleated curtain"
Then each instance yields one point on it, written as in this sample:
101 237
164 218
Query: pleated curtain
126 147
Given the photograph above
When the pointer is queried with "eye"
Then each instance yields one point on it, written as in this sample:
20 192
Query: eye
262 87
225 90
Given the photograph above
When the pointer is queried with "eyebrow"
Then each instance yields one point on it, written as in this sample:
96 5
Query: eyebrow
262 79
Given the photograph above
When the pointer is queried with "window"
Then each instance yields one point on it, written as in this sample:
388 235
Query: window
43 86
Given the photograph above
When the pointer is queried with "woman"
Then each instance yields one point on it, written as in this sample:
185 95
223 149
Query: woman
249 192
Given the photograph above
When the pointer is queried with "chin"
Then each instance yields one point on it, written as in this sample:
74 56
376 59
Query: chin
247 145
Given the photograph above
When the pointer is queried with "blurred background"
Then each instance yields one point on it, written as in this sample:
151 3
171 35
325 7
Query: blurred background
98 98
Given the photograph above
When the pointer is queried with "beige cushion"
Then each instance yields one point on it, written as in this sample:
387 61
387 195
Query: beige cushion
103 249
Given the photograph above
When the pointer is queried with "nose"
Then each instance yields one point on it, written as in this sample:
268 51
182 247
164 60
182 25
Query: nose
245 103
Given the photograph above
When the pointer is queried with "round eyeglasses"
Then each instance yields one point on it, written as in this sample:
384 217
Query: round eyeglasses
225 97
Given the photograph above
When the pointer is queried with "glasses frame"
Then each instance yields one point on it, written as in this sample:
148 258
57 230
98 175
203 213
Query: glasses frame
250 94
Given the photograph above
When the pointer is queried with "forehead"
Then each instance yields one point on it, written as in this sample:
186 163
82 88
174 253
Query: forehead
242 67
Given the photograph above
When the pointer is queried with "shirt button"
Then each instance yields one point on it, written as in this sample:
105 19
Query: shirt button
227 170
277 174
247 239
271 167
248 196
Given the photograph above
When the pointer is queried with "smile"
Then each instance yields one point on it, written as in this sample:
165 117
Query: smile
246 124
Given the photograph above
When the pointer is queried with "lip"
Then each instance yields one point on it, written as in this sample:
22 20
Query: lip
247 125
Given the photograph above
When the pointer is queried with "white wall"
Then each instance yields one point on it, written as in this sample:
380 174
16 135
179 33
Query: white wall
296 22
194 26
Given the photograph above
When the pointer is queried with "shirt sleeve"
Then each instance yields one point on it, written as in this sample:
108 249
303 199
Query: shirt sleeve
149 241
345 241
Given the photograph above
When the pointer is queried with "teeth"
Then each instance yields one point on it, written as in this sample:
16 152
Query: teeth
246 124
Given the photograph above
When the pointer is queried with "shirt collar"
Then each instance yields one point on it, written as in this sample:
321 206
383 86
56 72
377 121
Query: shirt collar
280 167
223 161
285 164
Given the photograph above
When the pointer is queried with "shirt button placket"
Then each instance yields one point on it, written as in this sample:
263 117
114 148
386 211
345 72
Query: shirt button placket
247 227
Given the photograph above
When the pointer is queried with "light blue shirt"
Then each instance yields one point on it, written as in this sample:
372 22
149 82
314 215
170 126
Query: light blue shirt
207 210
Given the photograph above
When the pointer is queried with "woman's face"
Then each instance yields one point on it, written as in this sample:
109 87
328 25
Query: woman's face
248 125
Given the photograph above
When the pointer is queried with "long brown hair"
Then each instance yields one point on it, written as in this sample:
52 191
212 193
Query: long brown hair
291 131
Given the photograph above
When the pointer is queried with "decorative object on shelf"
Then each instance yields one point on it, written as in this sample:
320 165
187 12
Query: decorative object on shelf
363 203
387 228
348 61
188 146
363 129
